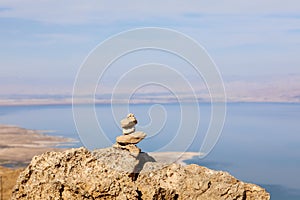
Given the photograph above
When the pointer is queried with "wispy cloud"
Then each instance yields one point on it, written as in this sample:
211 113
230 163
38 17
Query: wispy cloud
78 11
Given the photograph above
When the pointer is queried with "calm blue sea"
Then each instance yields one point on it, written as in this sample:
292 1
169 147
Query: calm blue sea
260 142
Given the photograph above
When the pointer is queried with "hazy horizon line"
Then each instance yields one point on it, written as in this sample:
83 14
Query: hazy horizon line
66 102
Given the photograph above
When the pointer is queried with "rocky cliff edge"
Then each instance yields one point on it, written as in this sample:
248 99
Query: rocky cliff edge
113 173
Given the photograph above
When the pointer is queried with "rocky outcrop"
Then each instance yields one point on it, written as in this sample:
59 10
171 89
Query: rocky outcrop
114 173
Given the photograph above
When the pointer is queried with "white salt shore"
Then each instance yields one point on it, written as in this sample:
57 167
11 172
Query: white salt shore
173 157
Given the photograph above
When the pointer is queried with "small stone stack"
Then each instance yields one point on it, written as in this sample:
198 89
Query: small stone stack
130 138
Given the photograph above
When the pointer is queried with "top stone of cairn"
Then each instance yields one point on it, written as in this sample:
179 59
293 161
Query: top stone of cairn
128 124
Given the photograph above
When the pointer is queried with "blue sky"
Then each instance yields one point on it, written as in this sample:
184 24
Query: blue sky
43 43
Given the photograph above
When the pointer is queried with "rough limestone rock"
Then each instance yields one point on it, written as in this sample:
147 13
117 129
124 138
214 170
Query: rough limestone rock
116 174
132 138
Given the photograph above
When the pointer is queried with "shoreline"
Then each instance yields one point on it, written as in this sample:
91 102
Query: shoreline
19 145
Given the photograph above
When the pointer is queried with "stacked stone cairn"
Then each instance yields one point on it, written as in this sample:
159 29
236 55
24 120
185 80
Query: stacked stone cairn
130 137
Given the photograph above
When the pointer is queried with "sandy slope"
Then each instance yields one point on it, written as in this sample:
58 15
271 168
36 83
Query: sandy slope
9 177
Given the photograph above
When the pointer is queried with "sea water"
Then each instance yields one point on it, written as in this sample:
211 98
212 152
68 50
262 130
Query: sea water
260 142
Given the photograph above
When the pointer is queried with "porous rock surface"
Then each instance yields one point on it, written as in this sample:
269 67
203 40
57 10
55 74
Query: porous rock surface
117 174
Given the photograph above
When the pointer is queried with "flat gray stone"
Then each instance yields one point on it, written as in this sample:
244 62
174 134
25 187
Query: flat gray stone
118 159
